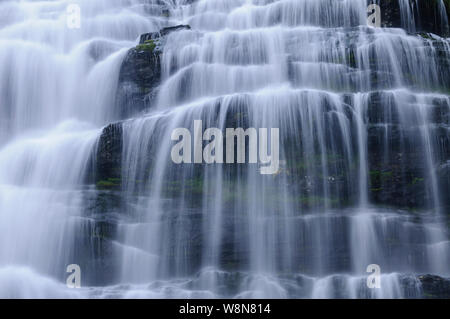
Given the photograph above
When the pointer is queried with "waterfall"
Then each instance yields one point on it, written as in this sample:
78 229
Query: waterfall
57 90
363 119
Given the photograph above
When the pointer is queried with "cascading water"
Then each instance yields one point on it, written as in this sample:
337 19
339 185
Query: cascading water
363 120
56 88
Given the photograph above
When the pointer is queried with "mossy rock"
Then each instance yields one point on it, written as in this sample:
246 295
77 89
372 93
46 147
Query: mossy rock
148 45
109 184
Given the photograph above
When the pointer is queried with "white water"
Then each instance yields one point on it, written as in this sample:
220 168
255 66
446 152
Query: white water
227 231
57 90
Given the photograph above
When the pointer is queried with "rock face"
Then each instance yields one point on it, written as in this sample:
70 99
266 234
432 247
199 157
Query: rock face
435 287
430 19
140 73
427 16
139 78
443 174
96 236
399 179
159 36
109 158
397 172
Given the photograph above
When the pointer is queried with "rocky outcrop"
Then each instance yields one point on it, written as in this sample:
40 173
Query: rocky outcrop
139 78
434 287
140 73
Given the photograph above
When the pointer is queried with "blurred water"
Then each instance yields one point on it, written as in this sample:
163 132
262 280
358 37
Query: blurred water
311 68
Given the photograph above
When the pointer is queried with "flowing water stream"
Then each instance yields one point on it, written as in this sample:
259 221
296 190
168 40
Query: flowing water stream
347 99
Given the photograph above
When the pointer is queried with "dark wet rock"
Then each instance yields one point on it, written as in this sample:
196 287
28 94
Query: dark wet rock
435 287
399 172
390 13
394 185
426 16
140 73
159 36
95 245
443 174
139 76
430 19
399 175
109 158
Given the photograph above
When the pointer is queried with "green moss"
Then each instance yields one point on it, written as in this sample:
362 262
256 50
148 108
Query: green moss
428 295
377 175
195 185
145 90
351 59
425 36
110 183
441 90
97 233
313 161
417 180
148 46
